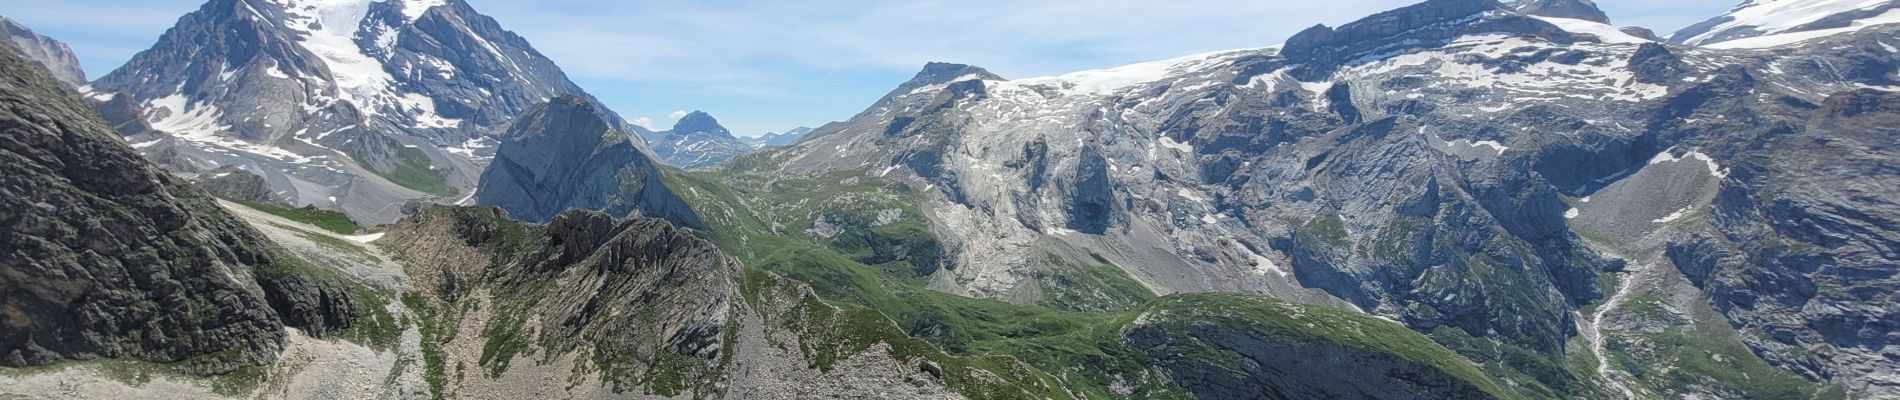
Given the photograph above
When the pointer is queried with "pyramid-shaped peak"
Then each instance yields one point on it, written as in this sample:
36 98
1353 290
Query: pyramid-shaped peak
699 122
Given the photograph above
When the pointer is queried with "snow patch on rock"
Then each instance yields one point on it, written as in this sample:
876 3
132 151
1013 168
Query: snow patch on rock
1108 81
1774 17
1783 39
1604 32
329 28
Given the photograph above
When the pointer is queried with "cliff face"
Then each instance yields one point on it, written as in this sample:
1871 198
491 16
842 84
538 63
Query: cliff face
106 256
566 155
1804 240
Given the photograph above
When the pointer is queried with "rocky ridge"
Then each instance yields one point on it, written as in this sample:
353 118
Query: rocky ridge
592 306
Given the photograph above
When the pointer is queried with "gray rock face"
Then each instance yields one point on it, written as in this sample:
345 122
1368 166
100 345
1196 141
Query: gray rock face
239 185
591 275
109 257
55 56
1574 9
1804 244
566 155
696 141
347 105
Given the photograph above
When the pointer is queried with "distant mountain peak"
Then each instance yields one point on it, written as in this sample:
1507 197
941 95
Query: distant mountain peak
1574 9
696 140
699 122
779 139
938 73
1320 50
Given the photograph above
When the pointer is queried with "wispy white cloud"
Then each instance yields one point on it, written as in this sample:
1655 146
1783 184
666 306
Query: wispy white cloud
644 122
676 115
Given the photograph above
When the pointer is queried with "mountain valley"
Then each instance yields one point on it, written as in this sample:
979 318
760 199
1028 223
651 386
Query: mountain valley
1451 199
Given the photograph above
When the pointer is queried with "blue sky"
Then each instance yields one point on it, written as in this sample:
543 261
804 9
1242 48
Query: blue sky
774 65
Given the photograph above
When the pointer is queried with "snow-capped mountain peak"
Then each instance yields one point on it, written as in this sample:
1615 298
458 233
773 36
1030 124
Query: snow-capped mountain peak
345 104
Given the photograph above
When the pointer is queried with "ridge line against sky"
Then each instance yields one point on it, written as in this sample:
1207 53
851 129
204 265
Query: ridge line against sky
764 66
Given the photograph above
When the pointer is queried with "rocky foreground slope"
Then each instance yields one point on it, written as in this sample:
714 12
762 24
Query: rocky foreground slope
108 257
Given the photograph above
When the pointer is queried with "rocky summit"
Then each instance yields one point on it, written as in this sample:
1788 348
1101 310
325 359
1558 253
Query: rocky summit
1454 199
